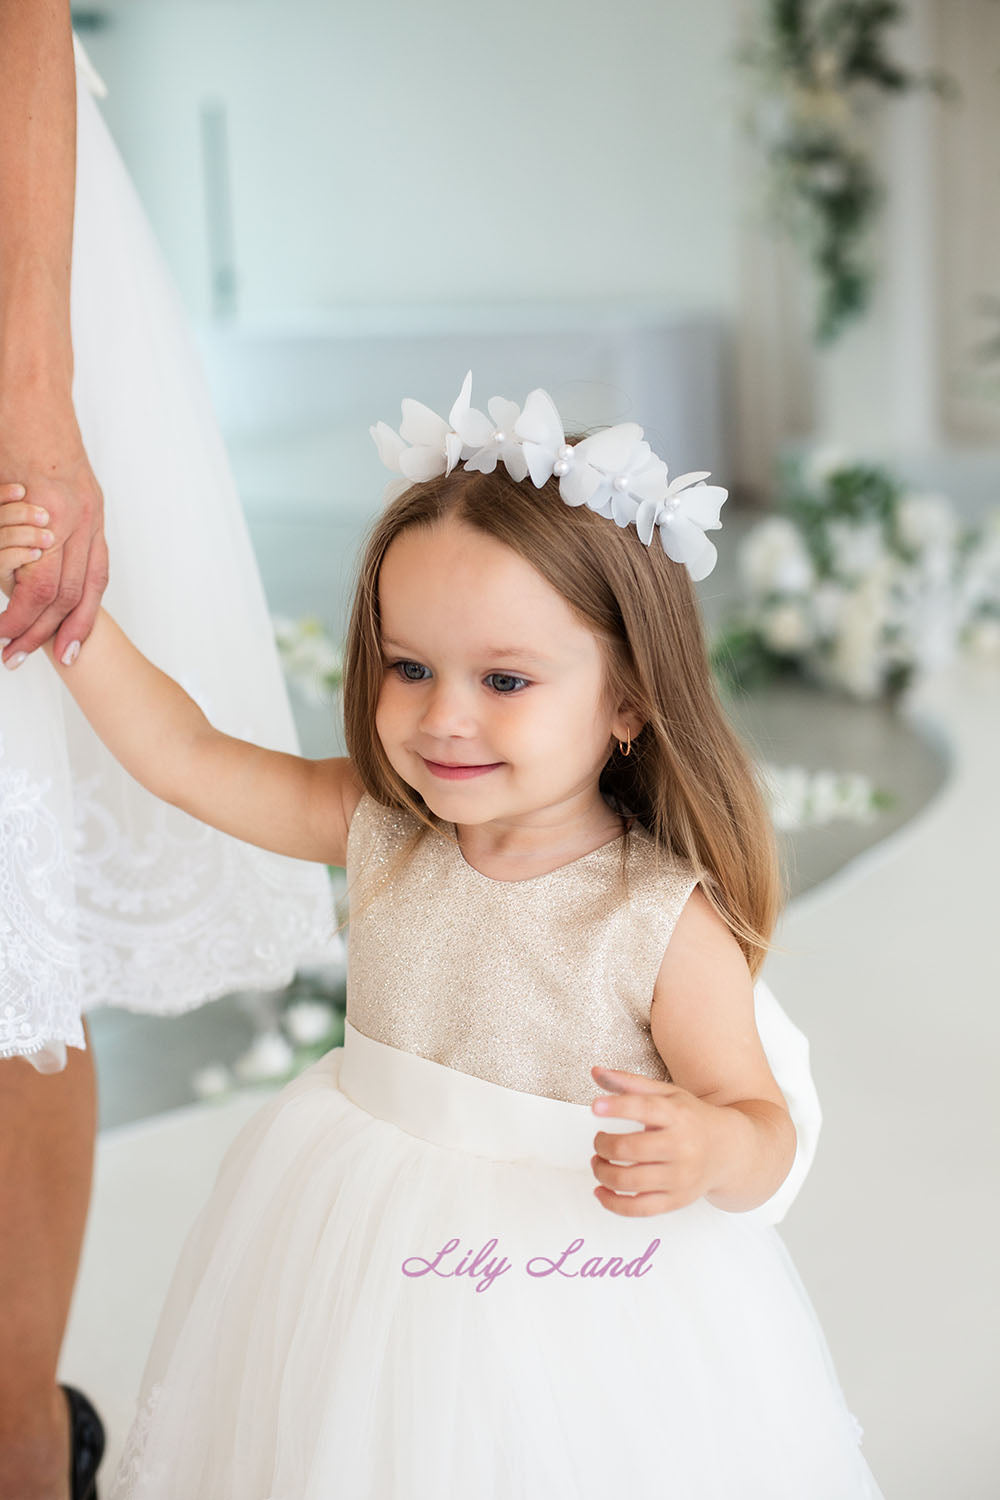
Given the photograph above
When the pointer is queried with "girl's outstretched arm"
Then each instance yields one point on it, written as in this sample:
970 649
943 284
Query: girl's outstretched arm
281 802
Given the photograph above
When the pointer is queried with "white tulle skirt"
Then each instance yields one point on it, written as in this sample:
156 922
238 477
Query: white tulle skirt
313 1343
108 896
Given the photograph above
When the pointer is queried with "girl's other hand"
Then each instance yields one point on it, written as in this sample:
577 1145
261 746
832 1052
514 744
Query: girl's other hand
23 539
670 1163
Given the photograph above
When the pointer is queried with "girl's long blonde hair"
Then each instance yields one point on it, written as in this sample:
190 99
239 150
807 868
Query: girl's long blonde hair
688 778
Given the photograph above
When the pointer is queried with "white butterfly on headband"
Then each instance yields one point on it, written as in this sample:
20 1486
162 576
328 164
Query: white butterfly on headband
614 472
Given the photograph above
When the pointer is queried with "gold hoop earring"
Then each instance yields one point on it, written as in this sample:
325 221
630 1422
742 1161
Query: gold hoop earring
626 750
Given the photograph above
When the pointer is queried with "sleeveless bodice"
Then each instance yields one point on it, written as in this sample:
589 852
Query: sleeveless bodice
525 983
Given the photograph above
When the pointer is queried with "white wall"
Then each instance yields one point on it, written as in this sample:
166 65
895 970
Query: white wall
385 152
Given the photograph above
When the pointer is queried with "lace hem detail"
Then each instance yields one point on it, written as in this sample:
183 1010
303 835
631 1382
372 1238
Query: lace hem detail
156 919
129 1480
40 981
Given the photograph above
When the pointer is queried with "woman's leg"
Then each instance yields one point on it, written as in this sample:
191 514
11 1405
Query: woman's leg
48 1123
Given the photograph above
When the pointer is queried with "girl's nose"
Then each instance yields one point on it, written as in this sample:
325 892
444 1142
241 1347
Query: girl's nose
446 710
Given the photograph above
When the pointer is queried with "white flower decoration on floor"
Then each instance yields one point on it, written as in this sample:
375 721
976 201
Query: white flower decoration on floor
614 472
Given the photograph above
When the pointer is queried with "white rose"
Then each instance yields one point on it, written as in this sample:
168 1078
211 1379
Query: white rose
822 463
857 659
983 638
827 606
855 793
212 1081
270 1056
309 1021
857 547
787 790
773 558
980 580
824 800
785 627
926 522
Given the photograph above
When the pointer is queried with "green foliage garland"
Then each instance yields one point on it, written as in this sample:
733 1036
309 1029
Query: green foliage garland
819 66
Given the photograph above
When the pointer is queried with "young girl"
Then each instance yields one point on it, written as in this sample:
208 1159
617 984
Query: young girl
434 1265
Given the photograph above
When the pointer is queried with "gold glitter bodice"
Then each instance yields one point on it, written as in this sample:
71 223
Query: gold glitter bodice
526 983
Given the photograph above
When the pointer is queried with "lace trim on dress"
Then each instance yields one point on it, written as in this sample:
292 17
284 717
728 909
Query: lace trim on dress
130 1480
40 979
158 922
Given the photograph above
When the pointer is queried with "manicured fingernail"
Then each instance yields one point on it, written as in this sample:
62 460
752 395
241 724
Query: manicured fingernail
35 555
71 653
16 661
5 642
42 515
601 1106
18 490
45 538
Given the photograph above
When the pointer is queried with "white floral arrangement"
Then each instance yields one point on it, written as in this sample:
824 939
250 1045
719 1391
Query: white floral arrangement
310 659
860 584
799 798
821 70
292 1027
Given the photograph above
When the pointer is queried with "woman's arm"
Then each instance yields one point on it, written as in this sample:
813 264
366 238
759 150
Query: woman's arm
37 184
40 442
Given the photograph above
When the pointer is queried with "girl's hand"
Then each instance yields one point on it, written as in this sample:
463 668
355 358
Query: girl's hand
22 537
669 1164
58 597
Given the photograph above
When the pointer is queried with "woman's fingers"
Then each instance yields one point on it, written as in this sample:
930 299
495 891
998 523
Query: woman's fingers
59 593
77 625
61 585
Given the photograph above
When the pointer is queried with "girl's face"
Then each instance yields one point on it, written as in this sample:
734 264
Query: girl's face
487 666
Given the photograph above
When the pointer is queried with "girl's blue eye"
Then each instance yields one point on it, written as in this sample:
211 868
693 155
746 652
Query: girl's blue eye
507 677
400 668
399 665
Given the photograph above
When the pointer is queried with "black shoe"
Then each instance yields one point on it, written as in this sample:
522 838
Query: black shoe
86 1445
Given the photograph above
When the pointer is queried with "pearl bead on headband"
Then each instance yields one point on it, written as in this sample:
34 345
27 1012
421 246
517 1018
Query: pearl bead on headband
614 473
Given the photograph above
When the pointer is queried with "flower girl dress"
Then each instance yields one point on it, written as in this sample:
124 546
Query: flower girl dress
109 896
402 1286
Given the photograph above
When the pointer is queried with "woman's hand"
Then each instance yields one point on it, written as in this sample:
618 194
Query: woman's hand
23 539
56 597
674 1161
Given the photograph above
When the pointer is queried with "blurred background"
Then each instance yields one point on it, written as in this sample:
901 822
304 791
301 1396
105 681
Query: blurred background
768 231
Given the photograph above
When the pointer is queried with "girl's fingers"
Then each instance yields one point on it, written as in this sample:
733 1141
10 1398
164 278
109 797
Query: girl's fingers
11 490
12 558
20 513
25 536
78 624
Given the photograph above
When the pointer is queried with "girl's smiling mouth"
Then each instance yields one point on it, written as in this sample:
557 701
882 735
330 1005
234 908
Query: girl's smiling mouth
457 772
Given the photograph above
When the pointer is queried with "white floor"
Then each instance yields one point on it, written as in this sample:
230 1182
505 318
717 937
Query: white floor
892 969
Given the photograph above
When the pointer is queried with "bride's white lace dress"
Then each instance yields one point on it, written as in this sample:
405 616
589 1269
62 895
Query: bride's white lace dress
108 896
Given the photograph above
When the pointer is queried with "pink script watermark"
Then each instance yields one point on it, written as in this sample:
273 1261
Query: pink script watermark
486 1266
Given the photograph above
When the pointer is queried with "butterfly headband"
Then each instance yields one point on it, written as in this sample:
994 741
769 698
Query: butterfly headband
614 473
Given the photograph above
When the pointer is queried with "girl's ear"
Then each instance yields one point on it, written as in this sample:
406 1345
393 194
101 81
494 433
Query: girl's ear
627 719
